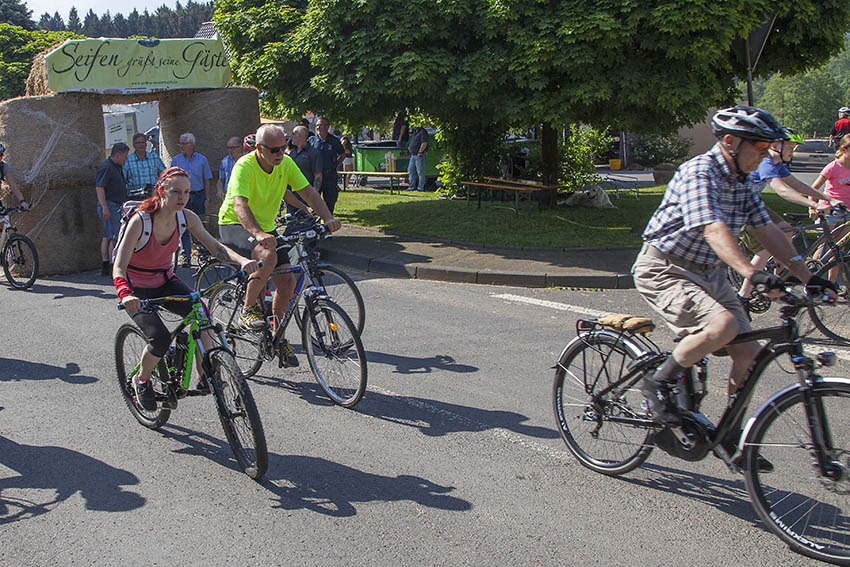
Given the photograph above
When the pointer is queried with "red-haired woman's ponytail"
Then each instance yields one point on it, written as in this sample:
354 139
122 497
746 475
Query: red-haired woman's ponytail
153 203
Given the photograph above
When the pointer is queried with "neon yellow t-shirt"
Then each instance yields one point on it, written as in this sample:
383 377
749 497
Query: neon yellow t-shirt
264 191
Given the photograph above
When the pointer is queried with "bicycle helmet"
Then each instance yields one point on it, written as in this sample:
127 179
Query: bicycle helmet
791 136
844 110
249 143
2 148
747 122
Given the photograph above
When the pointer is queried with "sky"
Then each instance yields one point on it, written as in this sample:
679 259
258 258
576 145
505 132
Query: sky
39 7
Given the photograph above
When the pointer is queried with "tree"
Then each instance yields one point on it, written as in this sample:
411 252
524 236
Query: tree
16 13
57 23
643 65
17 49
806 102
91 24
74 24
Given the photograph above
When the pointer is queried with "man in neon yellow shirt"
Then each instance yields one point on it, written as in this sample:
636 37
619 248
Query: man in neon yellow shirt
255 191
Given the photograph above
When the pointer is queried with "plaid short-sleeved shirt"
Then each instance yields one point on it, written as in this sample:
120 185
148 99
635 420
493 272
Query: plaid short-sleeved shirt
140 172
702 192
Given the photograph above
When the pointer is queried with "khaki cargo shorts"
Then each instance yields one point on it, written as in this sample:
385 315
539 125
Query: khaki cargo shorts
684 294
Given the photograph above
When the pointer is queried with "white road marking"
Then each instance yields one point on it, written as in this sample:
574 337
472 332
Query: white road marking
550 304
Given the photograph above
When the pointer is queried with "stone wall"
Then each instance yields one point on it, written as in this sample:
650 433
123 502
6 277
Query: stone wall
56 142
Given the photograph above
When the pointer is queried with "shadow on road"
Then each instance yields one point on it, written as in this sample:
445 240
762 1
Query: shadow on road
320 485
433 418
63 291
727 494
62 473
14 370
411 365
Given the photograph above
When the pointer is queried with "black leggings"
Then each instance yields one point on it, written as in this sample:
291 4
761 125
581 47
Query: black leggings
151 325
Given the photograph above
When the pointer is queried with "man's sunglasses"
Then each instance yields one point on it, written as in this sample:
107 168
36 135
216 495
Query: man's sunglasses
274 149
759 145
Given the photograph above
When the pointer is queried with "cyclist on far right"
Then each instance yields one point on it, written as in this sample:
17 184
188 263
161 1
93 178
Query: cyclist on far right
840 128
680 270
773 171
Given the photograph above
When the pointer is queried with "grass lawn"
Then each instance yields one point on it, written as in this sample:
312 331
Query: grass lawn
494 223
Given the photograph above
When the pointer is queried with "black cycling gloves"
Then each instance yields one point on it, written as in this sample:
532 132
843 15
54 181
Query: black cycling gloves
765 281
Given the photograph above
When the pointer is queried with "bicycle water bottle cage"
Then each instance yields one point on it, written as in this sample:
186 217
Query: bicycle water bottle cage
630 323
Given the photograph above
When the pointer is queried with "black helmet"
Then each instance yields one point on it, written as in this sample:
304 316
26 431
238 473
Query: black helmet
747 122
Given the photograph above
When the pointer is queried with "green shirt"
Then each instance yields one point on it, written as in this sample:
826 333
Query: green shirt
264 191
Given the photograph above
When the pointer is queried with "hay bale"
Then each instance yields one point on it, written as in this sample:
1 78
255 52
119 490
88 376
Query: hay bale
37 79
213 116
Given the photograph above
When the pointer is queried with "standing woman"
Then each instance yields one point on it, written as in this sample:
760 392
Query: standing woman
6 175
348 161
836 175
146 273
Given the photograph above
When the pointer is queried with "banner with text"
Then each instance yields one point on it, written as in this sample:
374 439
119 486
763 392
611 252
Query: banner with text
128 66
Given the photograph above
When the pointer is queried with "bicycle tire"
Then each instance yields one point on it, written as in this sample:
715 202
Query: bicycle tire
20 261
129 343
795 501
599 444
342 290
335 352
211 272
834 320
225 305
238 414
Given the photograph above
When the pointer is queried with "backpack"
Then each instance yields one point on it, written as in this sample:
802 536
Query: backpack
130 208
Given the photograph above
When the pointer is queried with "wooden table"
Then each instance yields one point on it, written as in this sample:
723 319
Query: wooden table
502 186
392 175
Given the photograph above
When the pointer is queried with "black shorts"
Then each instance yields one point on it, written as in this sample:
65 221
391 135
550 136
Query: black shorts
237 239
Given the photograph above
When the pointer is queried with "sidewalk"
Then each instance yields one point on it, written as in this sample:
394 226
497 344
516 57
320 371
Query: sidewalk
399 255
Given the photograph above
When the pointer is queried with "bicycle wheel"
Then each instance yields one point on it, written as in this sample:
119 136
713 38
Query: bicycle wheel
225 305
239 415
588 365
211 272
834 320
341 290
129 344
803 508
335 352
20 261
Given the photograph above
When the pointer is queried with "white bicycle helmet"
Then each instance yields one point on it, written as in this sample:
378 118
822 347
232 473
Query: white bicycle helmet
844 110
747 122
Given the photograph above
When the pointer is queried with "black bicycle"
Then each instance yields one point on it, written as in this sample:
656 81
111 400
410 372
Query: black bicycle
803 430
19 256
172 376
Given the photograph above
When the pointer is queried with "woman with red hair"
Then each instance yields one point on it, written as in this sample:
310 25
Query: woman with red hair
145 272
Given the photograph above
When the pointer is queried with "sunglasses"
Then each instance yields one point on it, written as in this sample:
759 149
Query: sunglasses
273 149
759 145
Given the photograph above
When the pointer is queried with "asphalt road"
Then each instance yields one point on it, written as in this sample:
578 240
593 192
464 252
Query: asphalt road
451 458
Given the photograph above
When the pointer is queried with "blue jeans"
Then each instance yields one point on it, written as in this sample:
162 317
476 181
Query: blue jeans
416 172
196 204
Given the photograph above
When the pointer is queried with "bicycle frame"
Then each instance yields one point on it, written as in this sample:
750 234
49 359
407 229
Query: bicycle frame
783 339
5 228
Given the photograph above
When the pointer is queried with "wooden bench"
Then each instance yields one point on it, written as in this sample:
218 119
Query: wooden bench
392 175
503 185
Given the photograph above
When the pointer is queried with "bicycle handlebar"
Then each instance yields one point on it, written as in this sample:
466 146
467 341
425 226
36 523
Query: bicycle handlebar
154 301
7 210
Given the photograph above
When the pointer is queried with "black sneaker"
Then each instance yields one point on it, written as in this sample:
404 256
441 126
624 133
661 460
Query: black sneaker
186 263
286 356
659 398
145 396
105 269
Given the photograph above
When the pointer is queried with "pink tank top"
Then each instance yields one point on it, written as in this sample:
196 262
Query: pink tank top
154 256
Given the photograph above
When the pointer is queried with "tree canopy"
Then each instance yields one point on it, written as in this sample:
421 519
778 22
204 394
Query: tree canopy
17 49
16 13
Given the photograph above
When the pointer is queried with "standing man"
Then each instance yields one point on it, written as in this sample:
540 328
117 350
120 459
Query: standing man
680 270
234 152
111 192
308 160
198 168
142 168
418 154
153 136
246 222
332 153
840 128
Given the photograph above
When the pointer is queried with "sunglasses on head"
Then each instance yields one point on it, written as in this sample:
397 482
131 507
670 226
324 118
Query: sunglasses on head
274 149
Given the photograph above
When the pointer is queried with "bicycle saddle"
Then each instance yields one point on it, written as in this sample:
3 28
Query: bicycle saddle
625 322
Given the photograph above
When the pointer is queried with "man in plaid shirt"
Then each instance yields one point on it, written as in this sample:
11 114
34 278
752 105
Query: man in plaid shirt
692 236
141 169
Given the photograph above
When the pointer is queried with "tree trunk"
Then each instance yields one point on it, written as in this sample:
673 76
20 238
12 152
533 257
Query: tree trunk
549 162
